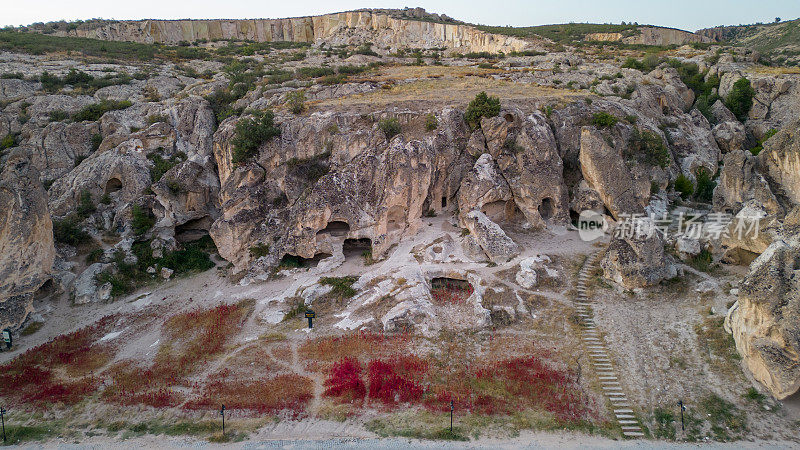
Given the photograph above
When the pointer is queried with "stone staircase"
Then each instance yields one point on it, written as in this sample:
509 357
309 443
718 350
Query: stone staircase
595 347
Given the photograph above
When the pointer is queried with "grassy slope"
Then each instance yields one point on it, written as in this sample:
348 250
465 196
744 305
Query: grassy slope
768 38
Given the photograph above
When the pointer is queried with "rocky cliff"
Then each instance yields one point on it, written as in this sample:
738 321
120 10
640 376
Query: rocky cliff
651 36
351 27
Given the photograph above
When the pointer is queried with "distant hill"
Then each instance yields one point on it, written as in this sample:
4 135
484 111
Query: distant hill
778 40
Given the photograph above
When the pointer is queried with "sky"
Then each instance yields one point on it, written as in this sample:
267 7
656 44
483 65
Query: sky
685 14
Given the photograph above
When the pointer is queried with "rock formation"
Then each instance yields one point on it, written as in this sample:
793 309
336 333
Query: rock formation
637 261
765 322
353 27
26 238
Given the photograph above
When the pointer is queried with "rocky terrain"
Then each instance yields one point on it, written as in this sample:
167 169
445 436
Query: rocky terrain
417 182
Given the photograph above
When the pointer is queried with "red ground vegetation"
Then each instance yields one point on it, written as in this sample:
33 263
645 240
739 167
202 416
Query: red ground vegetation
286 392
501 387
62 371
189 339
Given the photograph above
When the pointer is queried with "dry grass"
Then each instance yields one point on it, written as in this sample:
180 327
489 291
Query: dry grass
442 84
774 70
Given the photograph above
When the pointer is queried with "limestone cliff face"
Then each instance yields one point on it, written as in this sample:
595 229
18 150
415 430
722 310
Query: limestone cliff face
651 36
383 30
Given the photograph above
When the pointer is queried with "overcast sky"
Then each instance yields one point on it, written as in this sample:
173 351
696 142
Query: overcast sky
685 14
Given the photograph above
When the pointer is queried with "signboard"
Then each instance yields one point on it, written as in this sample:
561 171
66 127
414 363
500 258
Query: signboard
310 314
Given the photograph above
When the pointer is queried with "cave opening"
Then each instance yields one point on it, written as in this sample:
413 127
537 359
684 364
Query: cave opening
446 290
113 185
290 261
546 208
395 219
193 230
444 202
354 248
336 228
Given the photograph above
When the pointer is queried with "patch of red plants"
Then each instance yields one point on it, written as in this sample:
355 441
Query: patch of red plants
344 380
190 338
288 392
490 388
59 371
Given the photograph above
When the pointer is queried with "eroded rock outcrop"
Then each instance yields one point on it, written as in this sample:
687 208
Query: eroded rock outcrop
765 321
26 238
605 171
637 261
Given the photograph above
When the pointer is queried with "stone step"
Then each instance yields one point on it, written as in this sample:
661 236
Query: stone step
607 377
632 434
623 411
625 416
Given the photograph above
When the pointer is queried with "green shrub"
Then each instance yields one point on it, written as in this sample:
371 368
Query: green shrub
161 165
684 186
156 118
309 169
648 147
250 133
390 127
10 140
342 286
757 149
705 186
604 119
352 70
259 250
95 111
431 123
701 261
94 256
58 116
482 106
296 101
85 206
330 80
221 101
69 231
654 188
142 221
96 140
315 72
740 99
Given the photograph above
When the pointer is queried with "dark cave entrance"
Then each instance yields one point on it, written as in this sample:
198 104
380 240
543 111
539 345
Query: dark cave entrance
193 230
546 208
357 248
290 261
450 290
113 185
336 228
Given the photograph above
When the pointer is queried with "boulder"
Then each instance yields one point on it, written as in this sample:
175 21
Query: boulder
730 136
499 248
638 261
86 289
765 321
605 172
740 182
14 89
780 162
27 250
483 185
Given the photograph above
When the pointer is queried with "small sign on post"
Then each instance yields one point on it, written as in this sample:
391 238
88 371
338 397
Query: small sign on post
683 408
222 411
310 315
7 339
